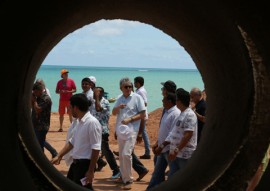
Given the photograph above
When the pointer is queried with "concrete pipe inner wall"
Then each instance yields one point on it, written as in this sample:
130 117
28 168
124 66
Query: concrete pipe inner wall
227 41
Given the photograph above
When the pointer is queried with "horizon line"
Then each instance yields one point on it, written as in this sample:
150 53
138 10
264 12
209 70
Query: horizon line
119 67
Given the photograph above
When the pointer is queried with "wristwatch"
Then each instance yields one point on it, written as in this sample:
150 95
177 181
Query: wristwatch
176 150
161 146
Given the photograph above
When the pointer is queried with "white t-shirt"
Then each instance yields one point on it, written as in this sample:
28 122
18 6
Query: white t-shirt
187 121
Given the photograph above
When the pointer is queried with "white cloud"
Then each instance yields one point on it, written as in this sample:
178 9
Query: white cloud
108 28
107 32
117 42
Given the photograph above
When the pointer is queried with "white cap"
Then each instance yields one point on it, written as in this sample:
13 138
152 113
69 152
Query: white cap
123 132
93 79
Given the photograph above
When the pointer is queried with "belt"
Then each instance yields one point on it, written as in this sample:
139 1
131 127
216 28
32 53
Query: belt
76 161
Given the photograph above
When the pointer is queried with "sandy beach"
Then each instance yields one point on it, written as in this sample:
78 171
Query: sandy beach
102 179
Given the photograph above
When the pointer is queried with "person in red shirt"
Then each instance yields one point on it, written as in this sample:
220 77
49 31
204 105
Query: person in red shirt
65 87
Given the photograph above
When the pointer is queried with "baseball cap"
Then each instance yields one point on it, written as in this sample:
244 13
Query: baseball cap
169 86
63 71
93 79
123 132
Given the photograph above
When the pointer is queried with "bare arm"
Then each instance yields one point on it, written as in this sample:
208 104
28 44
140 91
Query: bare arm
56 160
72 91
116 110
136 117
200 117
97 100
160 147
57 90
183 142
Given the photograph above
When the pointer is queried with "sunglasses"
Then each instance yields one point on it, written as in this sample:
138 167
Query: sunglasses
126 87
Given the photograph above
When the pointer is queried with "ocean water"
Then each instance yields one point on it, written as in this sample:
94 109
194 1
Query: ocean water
109 77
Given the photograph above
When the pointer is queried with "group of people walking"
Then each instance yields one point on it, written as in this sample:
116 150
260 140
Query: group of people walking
178 131
180 127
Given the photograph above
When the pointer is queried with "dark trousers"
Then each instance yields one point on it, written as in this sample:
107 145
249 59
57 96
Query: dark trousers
137 165
77 171
105 149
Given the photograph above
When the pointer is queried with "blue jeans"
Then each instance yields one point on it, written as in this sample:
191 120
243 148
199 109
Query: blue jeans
146 140
158 175
176 165
41 137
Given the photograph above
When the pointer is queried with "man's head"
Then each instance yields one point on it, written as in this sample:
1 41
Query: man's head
126 86
86 84
79 104
182 98
101 90
168 86
38 89
138 81
195 95
64 73
39 80
169 100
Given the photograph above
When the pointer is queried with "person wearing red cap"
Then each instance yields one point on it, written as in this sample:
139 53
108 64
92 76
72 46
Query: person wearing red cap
65 87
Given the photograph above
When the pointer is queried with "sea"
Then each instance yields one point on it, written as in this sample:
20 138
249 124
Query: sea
109 77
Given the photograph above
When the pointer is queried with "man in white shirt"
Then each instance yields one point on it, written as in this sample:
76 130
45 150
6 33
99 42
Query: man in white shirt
130 109
161 147
183 137
85 143
140 89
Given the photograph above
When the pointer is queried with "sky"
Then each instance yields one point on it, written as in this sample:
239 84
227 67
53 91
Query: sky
119 43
